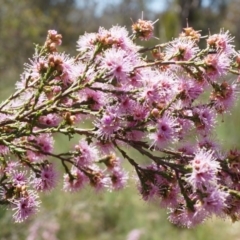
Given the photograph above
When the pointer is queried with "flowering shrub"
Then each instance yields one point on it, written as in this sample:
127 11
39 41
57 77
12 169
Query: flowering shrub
164 105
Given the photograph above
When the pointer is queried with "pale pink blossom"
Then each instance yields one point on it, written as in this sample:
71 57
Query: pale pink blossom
204 170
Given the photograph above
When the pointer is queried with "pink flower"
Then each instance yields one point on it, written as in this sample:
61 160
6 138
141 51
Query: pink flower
118 178
25 206
105 147
139 112
134 135
221 42
224 96
215 200
43 143
86 42
11 167
149 191
181 49
108 125
136 77
189 90
122 40
171 196
211 145
47 179
4 150
76 181
116 37
216 65
204 119
66 69
204 170
86 153
158 88
94 99
187 218
164 132
185 126
51 120
118 64
32 71
154 185
18 178
98 180
187 148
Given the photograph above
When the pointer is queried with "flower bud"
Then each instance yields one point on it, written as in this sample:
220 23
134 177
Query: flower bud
143 29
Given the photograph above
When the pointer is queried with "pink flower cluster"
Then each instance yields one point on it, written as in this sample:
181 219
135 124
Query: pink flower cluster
165 106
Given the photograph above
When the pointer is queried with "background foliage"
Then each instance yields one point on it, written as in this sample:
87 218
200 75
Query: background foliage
120 215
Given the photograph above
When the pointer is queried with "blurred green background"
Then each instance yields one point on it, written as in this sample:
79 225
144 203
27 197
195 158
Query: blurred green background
120 215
